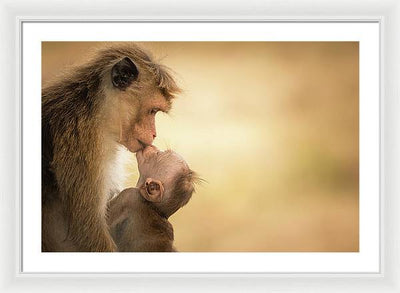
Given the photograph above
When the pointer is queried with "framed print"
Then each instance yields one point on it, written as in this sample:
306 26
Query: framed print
288 123
327 177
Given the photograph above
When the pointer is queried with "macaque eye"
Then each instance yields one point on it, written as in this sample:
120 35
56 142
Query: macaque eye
152 187
154 111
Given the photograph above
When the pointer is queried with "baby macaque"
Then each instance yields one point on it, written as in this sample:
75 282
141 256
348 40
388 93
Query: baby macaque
138 217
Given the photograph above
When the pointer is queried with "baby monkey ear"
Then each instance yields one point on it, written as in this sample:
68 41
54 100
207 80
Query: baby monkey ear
152 190
124 73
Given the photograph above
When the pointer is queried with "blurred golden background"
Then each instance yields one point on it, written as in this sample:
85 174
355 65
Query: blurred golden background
273 129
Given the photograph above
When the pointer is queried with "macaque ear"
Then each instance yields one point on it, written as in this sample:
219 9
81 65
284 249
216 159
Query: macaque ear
152 190
124 73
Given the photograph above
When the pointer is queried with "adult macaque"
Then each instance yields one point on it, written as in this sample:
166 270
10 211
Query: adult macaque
89 116
138 217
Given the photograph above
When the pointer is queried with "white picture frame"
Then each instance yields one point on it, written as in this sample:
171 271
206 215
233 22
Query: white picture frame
386 13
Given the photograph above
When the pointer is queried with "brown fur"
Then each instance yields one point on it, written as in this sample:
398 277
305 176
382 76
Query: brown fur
83 119
138 225
182 192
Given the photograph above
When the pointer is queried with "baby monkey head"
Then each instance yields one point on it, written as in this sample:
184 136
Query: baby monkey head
165 179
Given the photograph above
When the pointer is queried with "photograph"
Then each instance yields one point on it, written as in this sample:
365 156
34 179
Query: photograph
200 146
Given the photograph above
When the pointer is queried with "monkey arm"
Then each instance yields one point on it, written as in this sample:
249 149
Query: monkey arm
118 207
84 205
121 213
87 227
136 227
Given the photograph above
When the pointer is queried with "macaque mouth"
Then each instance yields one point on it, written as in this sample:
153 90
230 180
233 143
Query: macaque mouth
142 144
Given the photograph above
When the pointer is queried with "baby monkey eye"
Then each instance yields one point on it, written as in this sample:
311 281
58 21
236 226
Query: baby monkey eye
154 111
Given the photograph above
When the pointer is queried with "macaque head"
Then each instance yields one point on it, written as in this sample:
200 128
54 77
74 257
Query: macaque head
165 179
137 89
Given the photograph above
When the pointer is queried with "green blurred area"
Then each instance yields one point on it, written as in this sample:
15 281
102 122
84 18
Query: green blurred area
273 129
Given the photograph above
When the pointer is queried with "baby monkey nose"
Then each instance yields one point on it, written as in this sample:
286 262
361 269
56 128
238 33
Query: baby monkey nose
151 149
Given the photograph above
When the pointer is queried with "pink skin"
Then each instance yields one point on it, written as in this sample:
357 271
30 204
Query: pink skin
150 167
143 154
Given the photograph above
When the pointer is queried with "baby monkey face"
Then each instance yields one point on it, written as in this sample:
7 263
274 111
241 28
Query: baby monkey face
165 179
158 171
161 165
